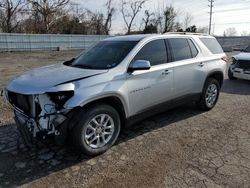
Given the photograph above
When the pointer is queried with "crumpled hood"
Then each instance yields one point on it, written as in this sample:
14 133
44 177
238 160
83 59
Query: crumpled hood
41 79
242 56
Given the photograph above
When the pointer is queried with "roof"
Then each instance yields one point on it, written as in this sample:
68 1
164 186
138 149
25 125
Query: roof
186 33
142 36
130 37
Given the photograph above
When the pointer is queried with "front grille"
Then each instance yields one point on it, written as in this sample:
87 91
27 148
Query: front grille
23 102
244 64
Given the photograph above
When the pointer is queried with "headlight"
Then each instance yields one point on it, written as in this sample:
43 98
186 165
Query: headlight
59 98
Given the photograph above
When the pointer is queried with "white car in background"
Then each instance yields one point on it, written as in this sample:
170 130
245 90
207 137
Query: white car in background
240 68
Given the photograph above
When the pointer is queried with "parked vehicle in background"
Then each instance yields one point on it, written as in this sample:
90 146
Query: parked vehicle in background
116 83
240 68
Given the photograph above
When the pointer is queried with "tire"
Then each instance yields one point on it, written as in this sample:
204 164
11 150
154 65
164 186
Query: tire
230 75
205 102
89 129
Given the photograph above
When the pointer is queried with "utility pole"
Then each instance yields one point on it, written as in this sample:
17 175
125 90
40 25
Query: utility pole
211 5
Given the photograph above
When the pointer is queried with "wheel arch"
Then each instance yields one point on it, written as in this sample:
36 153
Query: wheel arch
218 75
116 102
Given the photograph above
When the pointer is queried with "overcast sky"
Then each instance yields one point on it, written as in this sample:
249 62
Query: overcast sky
227 13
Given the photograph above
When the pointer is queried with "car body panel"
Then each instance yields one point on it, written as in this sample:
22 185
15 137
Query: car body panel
242 56
46 78
149 88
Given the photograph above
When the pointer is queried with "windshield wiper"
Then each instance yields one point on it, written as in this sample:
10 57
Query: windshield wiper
69 62
83 66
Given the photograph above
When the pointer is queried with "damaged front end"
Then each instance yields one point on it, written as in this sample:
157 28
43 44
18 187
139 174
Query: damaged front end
241 68
41 116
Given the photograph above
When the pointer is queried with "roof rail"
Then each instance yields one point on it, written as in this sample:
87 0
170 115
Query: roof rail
186 33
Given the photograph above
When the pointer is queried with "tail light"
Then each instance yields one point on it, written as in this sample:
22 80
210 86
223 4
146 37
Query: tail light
225 58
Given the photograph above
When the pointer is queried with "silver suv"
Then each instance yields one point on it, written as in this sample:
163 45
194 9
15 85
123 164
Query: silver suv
116 83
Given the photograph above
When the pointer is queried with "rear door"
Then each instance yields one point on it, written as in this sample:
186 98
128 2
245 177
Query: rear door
148 88
190 70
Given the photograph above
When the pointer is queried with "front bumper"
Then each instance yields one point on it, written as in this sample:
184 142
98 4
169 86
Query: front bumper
241 73
25 126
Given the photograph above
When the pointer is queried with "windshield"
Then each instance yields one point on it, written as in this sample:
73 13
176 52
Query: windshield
105 55
247 49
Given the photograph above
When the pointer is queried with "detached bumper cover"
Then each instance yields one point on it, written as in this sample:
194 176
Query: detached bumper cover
24 125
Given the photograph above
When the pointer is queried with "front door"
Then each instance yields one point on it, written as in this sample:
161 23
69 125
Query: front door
148 88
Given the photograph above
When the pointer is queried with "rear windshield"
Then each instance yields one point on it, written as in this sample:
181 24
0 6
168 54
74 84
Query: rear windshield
213 45
105 55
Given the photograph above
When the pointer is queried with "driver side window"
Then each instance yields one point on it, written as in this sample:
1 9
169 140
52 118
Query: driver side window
155 52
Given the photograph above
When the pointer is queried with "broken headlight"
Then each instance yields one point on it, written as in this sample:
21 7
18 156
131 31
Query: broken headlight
234 61
59 98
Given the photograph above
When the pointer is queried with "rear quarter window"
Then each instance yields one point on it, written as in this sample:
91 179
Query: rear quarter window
193 49
213 45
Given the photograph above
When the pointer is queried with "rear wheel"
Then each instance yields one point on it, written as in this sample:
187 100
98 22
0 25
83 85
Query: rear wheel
230 75
210 94
97 130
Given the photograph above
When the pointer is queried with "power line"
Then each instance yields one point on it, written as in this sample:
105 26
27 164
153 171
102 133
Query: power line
231 10
211 5
233 23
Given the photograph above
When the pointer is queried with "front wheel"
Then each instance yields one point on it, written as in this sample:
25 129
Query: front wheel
210 94
97 130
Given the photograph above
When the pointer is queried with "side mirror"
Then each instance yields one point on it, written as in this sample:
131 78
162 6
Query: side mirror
139 65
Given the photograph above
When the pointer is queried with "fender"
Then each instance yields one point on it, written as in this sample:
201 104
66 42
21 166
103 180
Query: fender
74 102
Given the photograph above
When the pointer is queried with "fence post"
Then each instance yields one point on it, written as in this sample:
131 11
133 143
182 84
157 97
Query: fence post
30 43
7 42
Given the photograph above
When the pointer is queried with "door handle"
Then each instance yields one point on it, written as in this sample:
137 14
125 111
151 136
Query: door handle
166 72
201 64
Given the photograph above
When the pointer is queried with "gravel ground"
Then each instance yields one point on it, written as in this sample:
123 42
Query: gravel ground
183 147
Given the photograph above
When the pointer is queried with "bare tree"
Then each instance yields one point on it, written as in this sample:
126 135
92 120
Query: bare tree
231 31
202 30
110 13
191 29
130 10
96 23
244 33
149 22
48 9
187 20
8 15
178 27
147 18
169 19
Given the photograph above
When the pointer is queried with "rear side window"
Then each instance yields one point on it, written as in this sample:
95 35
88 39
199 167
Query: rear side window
154 51
213 45
193 49
180 49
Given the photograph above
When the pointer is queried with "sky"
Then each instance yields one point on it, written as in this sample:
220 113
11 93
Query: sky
226 13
